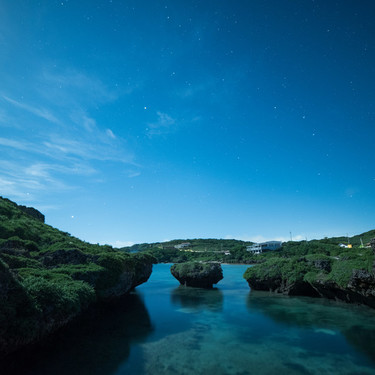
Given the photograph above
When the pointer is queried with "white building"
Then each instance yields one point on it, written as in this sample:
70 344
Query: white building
258 248
183 245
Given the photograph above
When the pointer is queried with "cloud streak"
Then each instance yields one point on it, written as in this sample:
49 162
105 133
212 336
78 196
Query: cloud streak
24 146
44 157
24 181
71 88
163 125
40 112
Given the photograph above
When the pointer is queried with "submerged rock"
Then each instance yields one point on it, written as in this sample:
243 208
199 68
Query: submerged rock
196 274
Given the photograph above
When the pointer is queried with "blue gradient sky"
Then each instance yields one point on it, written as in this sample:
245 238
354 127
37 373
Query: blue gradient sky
142 121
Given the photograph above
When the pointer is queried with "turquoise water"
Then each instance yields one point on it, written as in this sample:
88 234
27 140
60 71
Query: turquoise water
164 328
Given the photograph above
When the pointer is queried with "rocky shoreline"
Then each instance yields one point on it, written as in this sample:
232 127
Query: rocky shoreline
314 278
49 278
26 323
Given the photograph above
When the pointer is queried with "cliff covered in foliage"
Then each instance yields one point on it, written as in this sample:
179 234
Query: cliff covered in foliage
47 277
318 269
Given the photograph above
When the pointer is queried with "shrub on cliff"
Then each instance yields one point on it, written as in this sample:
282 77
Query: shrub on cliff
60 298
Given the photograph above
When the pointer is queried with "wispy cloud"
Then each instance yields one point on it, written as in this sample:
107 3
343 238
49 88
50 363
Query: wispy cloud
82 119
40 112
44 157
11 188
132 174
110 134
72 88
94 148
25 181
15 144
163 125
72 151
44 170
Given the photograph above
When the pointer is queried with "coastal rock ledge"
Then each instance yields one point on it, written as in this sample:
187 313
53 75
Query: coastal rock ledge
196 274
318 276
29 314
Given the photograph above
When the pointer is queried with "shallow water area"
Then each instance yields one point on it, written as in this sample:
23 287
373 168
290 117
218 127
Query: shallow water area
165 328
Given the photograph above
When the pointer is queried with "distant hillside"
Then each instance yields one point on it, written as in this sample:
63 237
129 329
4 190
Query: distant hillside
198 244
355 240
47 277
234 251
177 251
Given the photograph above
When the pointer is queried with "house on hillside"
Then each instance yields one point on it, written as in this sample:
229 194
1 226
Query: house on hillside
258 248
348 246
183 245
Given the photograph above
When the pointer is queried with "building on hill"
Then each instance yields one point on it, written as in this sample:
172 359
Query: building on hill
258 248
346 246
183 245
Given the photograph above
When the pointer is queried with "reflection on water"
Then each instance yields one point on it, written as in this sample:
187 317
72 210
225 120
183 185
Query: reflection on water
238 332
197 299
95 344
356 323
168 329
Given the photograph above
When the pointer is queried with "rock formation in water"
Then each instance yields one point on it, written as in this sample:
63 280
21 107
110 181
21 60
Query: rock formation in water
316 276
196 274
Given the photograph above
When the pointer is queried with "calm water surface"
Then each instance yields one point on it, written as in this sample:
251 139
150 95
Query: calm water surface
164 328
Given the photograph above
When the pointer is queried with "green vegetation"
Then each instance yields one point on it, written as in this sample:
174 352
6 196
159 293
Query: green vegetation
316 261
234 251
224 251
47 276
292 269
342 268
186 269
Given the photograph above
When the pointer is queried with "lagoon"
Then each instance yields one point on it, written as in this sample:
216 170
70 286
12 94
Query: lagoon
164 328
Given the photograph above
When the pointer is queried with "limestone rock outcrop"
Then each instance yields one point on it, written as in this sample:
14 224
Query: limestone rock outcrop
196 274
313 277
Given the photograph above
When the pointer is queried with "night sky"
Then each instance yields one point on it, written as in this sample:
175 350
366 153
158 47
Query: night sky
143 121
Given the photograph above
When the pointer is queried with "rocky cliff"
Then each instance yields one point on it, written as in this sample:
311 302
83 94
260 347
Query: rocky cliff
48 277
350 279
34 305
